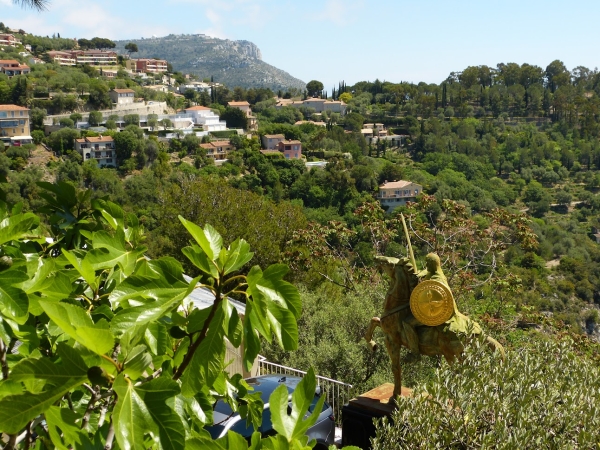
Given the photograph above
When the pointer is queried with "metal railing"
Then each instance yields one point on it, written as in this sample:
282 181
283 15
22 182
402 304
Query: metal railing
337 393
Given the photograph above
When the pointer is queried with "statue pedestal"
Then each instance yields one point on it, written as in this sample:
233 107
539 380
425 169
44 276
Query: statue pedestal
358 414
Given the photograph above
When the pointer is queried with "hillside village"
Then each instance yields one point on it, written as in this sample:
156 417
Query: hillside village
131 115
495 169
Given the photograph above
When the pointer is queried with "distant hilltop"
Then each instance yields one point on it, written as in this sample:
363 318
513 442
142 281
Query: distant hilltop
235 63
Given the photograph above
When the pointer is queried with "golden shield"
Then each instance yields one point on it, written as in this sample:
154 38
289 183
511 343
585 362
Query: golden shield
431 303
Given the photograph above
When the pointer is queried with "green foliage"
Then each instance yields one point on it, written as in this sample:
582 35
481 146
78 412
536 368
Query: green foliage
91 314
543 396
95 118
314 88
63 140
266 226
235 118
131 48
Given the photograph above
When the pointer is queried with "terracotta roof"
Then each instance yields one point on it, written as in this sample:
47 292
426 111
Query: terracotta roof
215 144
238 104
124 91
274 136
95 139
196 108
9 61
12 108
100 139
291 142
395 184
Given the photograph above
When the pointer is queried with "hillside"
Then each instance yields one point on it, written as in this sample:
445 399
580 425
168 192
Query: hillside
235 63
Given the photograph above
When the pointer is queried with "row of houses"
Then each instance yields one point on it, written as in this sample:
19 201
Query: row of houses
15 130
103 57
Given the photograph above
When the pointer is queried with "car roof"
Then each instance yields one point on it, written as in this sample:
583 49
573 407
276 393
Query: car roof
266 384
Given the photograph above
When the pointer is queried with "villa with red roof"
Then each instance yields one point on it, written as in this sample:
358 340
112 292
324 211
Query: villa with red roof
12 67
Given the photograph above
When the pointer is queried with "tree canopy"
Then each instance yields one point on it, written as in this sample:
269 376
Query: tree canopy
314 88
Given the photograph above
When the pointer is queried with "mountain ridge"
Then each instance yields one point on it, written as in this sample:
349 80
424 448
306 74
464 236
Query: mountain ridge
235 63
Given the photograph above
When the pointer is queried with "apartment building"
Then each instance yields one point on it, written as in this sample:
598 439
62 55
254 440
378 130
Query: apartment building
14 125
62 58
95 57
92 57
148 65
9 40
101 148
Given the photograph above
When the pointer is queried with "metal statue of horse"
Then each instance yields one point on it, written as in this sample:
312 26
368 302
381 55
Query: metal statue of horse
402 329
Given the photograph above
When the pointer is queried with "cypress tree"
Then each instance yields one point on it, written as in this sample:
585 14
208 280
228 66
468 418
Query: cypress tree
444 94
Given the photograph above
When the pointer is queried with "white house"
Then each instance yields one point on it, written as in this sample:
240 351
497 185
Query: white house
101 148
122 96
196 86
201 115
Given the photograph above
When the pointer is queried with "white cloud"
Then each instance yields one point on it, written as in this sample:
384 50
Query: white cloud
32 23
340 12
93 19
213 16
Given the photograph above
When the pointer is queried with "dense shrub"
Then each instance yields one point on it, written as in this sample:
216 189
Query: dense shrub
544 396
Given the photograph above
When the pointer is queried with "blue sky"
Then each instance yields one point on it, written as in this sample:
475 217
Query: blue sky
351 40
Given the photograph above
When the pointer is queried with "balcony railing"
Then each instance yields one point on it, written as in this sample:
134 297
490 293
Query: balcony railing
337 393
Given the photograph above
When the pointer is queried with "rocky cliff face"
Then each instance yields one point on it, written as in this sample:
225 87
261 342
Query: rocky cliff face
235 63
247 48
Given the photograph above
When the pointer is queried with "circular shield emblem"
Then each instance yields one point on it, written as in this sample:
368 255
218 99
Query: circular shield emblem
431 303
